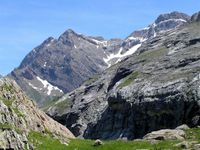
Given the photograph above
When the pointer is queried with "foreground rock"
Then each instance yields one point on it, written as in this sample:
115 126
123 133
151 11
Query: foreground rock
166 134
98 143
19 116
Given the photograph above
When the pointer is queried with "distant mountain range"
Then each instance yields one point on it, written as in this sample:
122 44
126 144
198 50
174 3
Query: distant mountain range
58 66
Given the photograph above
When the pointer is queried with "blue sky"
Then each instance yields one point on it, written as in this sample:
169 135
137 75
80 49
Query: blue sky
24 24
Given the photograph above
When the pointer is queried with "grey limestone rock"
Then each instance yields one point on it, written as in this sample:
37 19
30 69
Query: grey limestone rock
155 88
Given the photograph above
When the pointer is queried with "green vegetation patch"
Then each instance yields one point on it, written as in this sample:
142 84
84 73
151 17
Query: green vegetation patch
9 104
129 79
120 145
8 87
17 112
91 80
45 142
49 103
34 94
193 134
5 126
63 105
194 28
153 54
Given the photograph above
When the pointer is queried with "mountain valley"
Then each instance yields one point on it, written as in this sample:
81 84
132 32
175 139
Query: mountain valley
81 92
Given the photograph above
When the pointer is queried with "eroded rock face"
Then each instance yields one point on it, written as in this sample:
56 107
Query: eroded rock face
19 116
195 17
156 88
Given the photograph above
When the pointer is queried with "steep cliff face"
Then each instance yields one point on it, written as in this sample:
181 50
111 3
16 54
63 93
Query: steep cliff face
195 17
19 118
60 65
156 88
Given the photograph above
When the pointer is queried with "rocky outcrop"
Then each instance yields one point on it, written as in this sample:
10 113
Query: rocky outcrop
166 134
60 65
195 17
156 88
172 16
19 117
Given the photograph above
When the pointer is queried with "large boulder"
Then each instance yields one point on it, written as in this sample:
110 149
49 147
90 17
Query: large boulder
166 134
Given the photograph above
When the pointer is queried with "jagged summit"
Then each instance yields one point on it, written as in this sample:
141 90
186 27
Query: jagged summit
163 22
173 16
68 34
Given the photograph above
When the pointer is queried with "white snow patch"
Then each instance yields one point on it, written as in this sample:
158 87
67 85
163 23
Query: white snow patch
154 34
33 86
171 52
75 46
146 28
119 56
112 56
49 44
132 38
196 78
104 43
136 38
154 25
49 86
34 50
176 20
131 50
45 64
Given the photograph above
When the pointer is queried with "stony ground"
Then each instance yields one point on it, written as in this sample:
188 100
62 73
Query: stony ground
190 141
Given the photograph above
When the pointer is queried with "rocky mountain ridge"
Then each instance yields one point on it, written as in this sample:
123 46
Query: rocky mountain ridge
60 65
155 88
